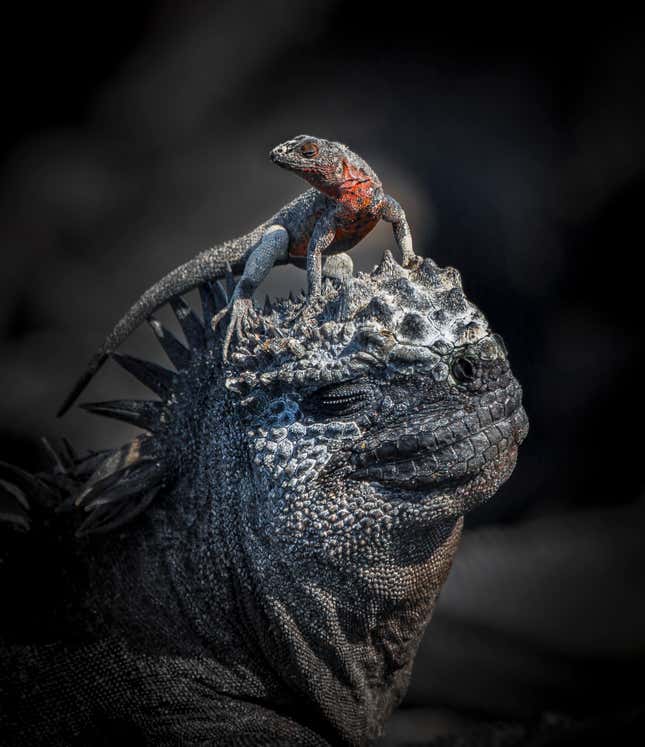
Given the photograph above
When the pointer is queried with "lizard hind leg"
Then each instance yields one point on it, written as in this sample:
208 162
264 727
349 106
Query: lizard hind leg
273 247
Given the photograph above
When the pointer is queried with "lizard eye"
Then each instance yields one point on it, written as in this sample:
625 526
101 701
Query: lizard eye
309 149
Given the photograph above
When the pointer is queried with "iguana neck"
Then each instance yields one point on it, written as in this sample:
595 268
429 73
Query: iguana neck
332 633
341 639
326 642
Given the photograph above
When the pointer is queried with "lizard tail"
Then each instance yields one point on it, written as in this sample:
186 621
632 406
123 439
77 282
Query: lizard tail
209 265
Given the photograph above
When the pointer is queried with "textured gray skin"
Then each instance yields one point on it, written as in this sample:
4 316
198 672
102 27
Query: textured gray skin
346 201
308 499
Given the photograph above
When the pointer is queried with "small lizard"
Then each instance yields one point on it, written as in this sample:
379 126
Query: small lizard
345 203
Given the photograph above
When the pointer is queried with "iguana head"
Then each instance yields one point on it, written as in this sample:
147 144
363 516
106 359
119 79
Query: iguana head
328 166
318 480
388 408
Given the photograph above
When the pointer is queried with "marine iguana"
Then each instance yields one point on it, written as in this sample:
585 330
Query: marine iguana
345 203
258 567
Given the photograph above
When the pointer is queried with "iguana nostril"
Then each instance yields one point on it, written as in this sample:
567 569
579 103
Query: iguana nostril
501 344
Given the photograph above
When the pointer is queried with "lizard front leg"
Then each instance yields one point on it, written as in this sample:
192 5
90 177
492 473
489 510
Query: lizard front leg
273 246
393 213
321 238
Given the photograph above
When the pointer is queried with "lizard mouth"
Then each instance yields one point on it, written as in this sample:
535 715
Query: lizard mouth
471 450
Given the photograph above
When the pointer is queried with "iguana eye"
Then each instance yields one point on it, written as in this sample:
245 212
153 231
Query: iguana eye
337 399
309 149
463 369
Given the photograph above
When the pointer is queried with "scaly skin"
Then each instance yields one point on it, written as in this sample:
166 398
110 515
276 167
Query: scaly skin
297 510
347 200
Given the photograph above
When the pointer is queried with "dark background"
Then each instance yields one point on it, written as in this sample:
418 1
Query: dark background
134 138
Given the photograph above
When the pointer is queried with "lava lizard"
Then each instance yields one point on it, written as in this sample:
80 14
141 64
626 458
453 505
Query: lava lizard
344 204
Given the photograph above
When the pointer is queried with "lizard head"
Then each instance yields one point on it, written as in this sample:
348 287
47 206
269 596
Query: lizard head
328 166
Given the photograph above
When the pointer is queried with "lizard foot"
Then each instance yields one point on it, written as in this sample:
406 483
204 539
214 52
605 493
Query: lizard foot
309 307
411 261
238 309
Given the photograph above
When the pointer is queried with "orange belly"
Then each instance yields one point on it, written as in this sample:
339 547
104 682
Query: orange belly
357 229
351 232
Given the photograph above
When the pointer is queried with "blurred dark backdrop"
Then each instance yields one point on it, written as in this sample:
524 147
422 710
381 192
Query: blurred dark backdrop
135 137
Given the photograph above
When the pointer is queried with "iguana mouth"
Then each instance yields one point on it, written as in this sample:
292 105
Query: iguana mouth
449 456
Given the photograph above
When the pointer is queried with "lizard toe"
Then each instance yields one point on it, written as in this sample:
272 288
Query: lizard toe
217 318
238 323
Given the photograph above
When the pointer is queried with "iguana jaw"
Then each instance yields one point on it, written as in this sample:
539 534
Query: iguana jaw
416 459
452 497
459 472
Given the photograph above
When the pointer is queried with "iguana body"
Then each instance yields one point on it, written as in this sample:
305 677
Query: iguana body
260 566
347 200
